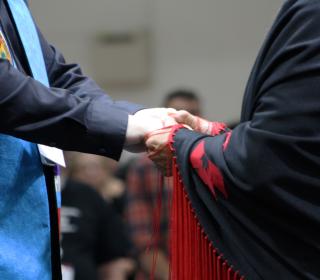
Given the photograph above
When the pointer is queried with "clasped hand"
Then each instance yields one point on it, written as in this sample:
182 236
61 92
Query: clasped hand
150 129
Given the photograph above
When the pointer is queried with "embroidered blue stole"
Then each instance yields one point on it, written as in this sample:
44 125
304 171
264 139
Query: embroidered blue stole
25 248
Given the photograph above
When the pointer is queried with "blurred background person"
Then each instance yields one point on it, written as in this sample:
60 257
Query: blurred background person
142 193
95 245
98 172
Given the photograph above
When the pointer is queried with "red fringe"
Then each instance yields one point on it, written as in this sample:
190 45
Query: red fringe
192 254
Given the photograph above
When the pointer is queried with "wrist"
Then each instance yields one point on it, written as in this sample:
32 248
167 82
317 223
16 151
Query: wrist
133 131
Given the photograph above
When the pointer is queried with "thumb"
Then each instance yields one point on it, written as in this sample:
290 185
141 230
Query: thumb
185 117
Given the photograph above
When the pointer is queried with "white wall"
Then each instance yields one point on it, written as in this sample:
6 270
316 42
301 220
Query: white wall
208 45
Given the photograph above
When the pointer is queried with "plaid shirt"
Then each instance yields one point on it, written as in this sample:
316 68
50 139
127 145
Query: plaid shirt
143 185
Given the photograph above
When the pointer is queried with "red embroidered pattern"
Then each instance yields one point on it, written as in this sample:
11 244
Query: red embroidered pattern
207 170
227 140
217 127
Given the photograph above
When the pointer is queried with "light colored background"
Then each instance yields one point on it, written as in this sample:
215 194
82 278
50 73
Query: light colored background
206 45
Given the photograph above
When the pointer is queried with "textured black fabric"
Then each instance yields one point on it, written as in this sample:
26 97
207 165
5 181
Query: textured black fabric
269 225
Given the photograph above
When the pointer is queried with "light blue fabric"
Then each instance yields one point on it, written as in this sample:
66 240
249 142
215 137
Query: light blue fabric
24 217
30 40
25 250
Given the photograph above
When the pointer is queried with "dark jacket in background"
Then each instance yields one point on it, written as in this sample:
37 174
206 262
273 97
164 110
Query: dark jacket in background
93 233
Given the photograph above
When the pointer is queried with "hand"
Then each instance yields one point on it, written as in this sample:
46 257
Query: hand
144 122
198 124
159 150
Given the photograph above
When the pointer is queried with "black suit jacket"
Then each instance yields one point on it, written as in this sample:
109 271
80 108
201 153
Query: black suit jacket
73 114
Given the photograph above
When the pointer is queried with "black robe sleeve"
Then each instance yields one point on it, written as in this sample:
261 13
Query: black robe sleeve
256 189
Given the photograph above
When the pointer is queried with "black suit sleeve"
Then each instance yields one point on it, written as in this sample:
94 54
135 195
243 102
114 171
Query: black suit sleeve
74 114
70 76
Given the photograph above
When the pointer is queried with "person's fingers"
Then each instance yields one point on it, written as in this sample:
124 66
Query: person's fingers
163 161
159 151
151 145
157 139
196 123
169 121
185 117
171 111
155 112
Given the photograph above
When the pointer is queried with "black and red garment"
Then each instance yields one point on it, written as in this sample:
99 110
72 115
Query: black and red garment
247 202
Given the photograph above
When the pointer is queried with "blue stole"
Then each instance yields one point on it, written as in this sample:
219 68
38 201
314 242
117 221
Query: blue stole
25 246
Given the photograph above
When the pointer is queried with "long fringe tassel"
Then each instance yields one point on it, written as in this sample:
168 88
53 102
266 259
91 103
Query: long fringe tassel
192 254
